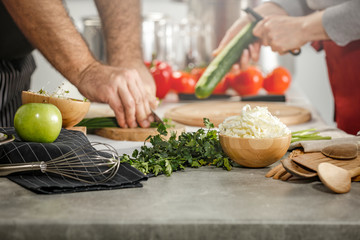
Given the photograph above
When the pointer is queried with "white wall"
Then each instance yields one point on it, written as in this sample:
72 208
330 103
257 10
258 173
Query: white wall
312 78
310 74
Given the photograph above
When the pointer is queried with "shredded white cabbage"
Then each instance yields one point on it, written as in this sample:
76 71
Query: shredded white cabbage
254 123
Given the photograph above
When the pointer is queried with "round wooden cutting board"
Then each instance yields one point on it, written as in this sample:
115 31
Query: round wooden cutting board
192 114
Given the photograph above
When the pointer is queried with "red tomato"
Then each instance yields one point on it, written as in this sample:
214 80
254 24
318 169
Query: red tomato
230 76
278 81
221 87
183 82
161 73
148 64
247 82
197 72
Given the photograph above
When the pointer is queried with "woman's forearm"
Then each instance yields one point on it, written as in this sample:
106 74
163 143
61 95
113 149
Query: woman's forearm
313 29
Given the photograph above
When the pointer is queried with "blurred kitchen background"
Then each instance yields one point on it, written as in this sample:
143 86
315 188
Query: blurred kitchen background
186 33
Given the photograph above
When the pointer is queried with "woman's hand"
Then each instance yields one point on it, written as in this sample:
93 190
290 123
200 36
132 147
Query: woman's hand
284 33
252 54
281 33
249 55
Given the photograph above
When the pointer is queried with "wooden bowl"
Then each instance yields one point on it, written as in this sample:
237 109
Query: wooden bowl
255 152
72 110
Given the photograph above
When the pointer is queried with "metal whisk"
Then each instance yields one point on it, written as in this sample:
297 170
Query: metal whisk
90 163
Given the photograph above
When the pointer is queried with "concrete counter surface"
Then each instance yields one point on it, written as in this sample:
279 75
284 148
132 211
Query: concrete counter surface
204 203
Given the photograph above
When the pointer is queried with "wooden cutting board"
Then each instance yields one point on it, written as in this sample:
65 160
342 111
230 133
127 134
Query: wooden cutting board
312 161
135 134
192 114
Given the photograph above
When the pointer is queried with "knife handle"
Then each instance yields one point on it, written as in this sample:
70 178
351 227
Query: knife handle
295 52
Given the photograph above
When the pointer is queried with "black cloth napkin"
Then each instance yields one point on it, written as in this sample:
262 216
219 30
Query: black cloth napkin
48 183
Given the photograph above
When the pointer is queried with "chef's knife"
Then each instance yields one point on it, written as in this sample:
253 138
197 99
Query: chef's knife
157 119
258 18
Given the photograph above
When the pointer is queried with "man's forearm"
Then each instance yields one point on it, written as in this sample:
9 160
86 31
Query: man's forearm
121 20
48 27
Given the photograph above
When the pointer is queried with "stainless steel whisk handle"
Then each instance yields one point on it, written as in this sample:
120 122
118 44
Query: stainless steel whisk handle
6 169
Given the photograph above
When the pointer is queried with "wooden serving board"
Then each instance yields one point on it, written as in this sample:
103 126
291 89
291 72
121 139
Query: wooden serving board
192 114
80 129
135 134
312 161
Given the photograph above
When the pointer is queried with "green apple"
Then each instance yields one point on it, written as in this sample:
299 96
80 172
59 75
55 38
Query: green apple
38 122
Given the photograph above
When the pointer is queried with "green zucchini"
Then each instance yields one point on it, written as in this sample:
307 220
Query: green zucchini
223 62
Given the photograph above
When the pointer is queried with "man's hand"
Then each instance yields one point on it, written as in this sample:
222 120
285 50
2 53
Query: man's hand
121 22
123 89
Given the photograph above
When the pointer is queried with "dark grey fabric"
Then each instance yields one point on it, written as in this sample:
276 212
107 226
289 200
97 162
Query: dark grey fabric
38 182
15 77
13 44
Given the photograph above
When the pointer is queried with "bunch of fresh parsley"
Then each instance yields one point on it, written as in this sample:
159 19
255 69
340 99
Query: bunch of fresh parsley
190 149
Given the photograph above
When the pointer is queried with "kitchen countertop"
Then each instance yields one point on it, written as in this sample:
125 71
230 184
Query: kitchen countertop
204 203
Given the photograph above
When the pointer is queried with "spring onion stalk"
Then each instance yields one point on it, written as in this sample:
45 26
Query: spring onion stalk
307 135
99 122
103 122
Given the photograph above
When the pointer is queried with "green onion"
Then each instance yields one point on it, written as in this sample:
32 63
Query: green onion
99 122
102 122
307 135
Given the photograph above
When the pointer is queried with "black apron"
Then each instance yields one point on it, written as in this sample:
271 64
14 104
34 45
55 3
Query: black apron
14 78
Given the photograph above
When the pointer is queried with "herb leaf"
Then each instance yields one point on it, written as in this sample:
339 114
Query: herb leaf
190 149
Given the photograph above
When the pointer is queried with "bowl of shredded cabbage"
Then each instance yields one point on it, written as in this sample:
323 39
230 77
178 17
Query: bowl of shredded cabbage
255 138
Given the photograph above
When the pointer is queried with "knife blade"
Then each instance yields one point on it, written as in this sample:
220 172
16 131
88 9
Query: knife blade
156 117
264 98
258 18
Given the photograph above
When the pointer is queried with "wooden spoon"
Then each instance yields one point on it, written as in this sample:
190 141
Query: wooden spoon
341 151
336 178
297 170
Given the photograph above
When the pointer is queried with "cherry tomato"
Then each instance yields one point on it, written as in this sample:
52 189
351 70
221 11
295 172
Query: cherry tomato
221 87
161 73
278 81
230 76
197 72
147 64
247 82
183 82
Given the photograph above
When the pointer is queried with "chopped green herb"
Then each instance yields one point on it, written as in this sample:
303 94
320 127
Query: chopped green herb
42 91
167 122
190 149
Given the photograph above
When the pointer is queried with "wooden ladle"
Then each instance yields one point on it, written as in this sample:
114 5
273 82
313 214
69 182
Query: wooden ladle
297 170
341 151
336 178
